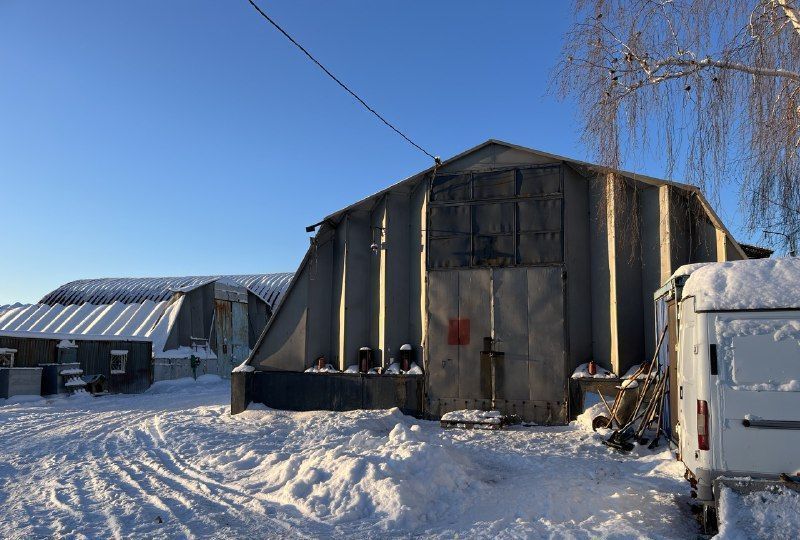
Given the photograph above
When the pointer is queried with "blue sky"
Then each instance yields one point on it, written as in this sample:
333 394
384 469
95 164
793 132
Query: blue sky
188 137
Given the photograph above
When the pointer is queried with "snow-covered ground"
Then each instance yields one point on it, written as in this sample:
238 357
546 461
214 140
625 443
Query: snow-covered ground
174 463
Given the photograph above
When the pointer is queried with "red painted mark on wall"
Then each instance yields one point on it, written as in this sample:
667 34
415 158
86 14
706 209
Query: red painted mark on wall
458 332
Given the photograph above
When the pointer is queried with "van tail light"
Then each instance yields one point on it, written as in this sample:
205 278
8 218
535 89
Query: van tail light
702 424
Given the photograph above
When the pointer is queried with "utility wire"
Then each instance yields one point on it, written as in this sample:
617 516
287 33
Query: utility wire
436 159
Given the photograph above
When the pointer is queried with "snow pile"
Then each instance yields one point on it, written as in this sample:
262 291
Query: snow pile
394 369
641 376
327 369
749 284
352 369
761 514
582 372
401 480
474 416
244 367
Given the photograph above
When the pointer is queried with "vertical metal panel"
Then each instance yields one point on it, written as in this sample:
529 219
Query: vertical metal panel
546 334
397 301
319 323
510 293
357 290
337 293
223 326
474 303
577 254
442 365
239 338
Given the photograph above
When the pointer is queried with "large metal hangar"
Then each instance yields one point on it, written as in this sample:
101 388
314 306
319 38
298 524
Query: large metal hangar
537 259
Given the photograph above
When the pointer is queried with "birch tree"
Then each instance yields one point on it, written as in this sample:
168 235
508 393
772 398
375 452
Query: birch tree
711 86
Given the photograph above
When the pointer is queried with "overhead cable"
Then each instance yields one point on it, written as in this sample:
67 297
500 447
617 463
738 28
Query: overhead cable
340 83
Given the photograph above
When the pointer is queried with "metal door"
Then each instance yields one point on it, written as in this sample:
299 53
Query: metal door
442 335
510 321
224 332
546 335
474 310
239 337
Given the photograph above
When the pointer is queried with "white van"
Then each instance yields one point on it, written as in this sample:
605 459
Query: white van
738 373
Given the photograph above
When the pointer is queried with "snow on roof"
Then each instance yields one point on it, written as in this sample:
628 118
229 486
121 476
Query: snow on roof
268 287
145 321
740 285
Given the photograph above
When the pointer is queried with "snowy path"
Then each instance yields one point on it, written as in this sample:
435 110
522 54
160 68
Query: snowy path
173 463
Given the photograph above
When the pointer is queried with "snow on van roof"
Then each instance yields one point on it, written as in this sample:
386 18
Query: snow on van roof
739 285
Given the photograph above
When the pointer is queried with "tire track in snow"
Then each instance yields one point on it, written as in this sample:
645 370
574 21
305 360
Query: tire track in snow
233 496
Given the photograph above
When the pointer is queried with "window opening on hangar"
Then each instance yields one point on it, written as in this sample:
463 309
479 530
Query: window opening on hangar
509 217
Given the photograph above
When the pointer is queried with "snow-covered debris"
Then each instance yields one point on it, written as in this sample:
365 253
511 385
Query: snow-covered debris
474 416
767 514
582 372
748 284
352 369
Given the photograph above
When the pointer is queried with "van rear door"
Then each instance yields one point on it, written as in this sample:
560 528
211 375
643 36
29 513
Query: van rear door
758 365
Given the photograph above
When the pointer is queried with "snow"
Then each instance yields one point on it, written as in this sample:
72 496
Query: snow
414 369
202 353
173 462
66 344
394 369
748 284
474 415
67 372
761 514
405 347
727 329
633 369
327 369
582 372
244 367
352 369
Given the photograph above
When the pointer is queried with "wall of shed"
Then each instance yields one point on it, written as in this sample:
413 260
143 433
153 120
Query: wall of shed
94 357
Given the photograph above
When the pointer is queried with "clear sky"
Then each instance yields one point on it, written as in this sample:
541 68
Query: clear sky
188 137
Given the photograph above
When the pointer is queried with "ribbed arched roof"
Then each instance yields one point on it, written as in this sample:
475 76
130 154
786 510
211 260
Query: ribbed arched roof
268 287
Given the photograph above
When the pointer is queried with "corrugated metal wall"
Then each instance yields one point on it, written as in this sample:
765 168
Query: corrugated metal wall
515 242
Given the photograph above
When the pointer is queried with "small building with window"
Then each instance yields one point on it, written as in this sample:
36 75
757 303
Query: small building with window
535 261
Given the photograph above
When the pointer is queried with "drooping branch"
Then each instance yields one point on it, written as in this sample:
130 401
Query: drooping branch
702 72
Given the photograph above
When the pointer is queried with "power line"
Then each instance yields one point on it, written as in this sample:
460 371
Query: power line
340 83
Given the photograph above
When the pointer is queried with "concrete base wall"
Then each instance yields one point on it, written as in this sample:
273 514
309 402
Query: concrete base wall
294 391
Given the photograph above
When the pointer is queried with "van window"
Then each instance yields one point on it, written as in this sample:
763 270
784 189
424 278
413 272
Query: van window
760 354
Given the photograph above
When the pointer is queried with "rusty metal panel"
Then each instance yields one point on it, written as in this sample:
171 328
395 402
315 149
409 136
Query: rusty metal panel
442 360
474 303
223 326
510 304
239 335
546 334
